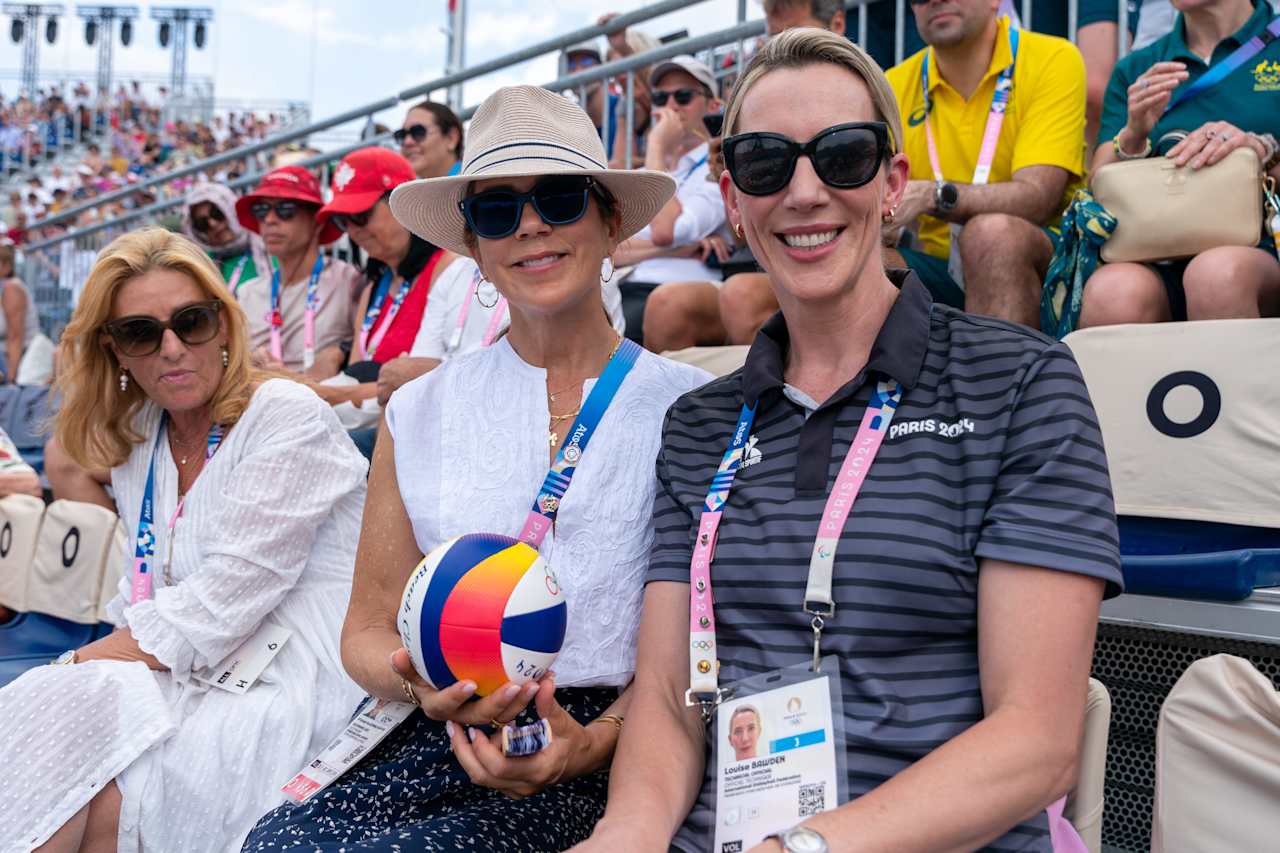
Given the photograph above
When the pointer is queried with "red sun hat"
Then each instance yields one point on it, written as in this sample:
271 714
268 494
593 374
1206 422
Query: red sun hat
291 182
363 177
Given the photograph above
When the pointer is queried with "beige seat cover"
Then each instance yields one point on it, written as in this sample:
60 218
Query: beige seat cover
20 517
1084 803
76 542
719 361
1218 761
1148 381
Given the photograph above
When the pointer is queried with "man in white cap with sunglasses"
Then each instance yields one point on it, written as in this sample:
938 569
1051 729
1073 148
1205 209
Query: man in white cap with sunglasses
669 253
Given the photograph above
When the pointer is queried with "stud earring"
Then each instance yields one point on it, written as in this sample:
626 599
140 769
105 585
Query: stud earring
608 263
226 357
124 380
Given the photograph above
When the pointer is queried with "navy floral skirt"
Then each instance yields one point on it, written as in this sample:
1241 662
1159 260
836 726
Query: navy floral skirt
411 794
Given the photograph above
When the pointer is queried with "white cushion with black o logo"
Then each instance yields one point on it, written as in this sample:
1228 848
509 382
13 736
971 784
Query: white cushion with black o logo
20 517
77 540
1190 415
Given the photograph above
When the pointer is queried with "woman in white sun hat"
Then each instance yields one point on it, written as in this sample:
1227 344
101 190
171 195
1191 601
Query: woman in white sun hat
464 449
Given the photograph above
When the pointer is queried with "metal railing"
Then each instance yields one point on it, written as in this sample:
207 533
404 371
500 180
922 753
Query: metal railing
56 262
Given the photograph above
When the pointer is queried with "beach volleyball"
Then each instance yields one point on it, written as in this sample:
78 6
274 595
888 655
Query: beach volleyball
482 607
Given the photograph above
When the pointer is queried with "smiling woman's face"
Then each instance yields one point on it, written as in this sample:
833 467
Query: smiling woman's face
178 377
545 269
814 240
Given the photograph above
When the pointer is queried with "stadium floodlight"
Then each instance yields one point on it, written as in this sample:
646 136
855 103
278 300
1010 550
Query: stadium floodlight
99 28
175 25
25 29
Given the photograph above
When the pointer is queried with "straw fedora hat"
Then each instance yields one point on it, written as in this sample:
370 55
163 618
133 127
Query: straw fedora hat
519 132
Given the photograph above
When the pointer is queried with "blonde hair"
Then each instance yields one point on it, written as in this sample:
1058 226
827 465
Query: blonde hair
805 46
8 256
95 422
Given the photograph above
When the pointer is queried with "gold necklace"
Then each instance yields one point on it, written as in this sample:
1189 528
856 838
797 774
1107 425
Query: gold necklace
182 446
553 435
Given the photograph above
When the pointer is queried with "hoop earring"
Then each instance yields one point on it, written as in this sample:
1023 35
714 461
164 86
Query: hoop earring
496 296
226 357
607 278
887 216
124 380
737 230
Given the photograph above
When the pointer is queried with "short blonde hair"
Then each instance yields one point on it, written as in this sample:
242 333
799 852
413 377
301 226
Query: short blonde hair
805 46
95 424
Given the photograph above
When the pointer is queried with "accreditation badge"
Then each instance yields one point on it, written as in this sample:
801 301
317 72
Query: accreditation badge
779 753
373 721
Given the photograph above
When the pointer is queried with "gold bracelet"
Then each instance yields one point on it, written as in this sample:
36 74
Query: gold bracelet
408 691
1125 155
609 718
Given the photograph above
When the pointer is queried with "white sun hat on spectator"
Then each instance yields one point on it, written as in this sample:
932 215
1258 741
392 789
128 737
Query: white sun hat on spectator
521 132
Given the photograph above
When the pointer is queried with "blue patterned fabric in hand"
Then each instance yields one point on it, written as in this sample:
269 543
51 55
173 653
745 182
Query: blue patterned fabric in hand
1085 227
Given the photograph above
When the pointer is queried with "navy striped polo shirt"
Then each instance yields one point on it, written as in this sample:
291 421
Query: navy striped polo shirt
994 453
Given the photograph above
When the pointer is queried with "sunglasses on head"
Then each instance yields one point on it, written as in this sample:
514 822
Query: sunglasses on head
285 210
203 223
583 61
682 96
845 156
141 336
558 200
417 132
344 221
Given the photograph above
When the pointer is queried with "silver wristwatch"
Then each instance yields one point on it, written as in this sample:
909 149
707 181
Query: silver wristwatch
801 839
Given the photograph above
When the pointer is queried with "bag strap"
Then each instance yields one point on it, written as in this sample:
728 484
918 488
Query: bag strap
1221 70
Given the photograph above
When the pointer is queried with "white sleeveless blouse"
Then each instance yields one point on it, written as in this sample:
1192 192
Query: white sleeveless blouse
471 452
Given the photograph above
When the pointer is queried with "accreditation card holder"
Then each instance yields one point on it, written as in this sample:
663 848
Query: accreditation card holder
375 719
240 670
779 754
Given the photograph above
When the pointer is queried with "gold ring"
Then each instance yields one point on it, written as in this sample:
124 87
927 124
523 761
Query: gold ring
496 724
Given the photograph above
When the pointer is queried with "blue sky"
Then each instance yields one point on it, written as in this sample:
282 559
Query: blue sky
339 54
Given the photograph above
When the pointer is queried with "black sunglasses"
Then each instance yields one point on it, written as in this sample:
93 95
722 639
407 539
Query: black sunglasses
559 200
343 221
285 210
682 96
141 336
845 156
418 132
202 224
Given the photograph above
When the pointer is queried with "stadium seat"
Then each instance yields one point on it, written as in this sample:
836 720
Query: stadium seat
20 518
76 567
1218 760
1084 803
24 415
1193 445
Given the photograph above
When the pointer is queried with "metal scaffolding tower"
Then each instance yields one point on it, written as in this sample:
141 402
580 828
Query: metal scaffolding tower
178 18
30 15
104 19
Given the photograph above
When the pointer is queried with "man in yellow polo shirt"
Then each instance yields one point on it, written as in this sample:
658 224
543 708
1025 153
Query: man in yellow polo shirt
982 242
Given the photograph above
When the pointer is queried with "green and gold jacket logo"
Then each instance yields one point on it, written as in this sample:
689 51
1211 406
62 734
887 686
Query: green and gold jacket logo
1266 76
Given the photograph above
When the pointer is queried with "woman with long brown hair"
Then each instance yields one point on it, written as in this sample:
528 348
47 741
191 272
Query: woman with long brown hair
242 496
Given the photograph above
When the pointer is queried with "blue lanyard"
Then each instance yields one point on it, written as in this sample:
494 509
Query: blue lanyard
1219 72
547 505
313 286
374 309
692 169
145 545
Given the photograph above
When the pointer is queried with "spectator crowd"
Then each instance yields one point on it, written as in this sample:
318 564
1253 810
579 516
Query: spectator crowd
873 235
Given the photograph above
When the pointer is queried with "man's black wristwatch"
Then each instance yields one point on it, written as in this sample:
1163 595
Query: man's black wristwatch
946 196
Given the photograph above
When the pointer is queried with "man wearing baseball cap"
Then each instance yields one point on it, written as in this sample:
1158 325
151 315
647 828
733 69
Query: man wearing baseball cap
300 311
666 253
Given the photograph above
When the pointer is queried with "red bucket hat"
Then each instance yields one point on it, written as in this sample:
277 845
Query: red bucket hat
292 182
363 177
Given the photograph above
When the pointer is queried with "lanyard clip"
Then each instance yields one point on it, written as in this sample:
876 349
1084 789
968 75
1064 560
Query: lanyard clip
706 702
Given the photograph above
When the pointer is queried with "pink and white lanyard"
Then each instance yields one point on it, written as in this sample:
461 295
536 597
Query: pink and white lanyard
495 321
233 283
145 545
276 319
704 689
995 118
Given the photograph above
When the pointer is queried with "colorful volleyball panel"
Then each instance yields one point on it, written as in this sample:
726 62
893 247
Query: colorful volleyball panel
482 607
